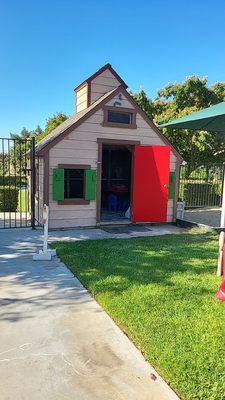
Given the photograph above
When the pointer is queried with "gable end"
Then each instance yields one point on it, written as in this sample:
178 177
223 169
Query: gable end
97 73
102 104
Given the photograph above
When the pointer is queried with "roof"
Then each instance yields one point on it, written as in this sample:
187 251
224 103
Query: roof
70 122
211 118
104 68
76 119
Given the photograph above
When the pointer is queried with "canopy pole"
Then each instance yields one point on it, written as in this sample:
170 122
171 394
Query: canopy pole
222 234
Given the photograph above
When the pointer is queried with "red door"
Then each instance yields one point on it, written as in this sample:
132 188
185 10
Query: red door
150 183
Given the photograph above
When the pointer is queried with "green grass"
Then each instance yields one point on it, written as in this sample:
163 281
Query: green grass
161 292
22 200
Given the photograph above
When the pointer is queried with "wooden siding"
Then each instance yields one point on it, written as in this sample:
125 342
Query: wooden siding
169 217
80 147
120 99
102 84
81 99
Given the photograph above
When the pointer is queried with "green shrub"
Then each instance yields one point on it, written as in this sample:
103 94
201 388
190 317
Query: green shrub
218 188
8 198
13 180
201 194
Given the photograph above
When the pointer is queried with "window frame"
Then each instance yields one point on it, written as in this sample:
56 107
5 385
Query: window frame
74 201
121 110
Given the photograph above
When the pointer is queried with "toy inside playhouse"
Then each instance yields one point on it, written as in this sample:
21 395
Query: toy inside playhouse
116 183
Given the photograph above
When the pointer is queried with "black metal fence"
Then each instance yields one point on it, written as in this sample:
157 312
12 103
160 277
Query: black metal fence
17 182
201 187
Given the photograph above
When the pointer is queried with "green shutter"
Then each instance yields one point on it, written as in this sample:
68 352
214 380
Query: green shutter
90 184
172 185
58 184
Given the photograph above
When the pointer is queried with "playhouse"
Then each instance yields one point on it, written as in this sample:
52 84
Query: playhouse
107 163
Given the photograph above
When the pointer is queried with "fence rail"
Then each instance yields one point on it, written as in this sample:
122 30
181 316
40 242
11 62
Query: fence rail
201 187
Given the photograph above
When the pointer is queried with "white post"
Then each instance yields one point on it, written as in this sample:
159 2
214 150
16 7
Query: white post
222 234
45 254
45 243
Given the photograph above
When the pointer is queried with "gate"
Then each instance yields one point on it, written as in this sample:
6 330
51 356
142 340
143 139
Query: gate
201 187
17 183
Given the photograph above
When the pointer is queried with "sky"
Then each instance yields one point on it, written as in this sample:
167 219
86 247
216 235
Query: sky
48 47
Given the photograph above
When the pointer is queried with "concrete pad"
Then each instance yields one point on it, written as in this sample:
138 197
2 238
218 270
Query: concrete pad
207 215
56 342
101 233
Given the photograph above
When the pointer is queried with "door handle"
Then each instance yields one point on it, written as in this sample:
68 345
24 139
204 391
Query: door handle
165 186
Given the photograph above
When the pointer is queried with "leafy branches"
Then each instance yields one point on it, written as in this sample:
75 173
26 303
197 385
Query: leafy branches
179 99
14 155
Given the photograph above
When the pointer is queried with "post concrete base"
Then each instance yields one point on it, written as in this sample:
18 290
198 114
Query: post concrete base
44 255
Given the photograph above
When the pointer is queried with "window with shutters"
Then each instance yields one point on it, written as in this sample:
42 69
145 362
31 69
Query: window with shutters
74 184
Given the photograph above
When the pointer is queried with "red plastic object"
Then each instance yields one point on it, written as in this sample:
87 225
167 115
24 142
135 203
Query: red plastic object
119 188
150 183
220 295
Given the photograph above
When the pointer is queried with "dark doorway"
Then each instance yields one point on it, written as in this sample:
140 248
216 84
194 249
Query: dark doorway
116 183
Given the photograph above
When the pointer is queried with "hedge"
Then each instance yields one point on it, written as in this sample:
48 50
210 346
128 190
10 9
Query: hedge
8 198
201 194
13 180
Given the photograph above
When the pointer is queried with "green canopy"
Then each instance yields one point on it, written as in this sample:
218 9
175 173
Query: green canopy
209 119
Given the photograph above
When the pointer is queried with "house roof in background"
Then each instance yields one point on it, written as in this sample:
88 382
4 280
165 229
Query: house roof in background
104 68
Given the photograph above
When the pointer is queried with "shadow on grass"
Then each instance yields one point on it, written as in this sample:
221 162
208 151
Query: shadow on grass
115 265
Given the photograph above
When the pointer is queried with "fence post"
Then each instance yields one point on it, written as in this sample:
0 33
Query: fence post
32 177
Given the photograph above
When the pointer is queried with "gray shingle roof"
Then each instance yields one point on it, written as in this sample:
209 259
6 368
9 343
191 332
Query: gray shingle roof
69 122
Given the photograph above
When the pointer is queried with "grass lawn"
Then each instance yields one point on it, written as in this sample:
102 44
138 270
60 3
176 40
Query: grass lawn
161 292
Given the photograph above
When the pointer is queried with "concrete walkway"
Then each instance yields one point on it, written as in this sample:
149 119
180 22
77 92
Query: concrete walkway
208 216
56 342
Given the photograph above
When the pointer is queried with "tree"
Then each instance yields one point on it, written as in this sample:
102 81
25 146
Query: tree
15 159
51 124
146 104
3 165
19 148
17 153
178 99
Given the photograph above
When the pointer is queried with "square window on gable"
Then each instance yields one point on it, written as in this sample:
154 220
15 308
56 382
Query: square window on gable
120 117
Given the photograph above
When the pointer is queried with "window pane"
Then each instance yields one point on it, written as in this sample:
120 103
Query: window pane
76 189
74 184
76 173
121 118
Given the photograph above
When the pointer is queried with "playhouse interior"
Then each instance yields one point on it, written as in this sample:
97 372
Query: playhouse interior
116 183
